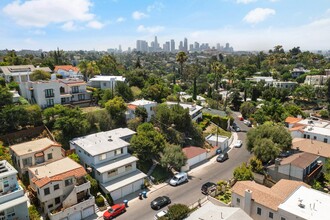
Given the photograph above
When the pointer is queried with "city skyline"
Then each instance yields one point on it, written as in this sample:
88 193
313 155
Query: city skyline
103 24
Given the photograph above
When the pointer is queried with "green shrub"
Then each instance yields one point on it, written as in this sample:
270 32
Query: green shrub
178 211
324 113
109 199
99 201
33 213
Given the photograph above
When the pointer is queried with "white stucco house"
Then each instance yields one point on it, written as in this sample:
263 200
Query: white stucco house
195 111
148 105
68 71
218 141
106 155
62 190
13 202
105 82
194 156
285 84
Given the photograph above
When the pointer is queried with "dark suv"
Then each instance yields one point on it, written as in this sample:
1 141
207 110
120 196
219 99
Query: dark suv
207 187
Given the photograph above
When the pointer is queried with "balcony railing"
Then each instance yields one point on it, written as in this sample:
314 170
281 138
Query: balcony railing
82 187
16 191
49 95
316 171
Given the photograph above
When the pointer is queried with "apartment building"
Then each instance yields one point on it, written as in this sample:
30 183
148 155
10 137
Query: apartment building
105 155
62 190
148 105
64 91
13 202
261 202
34 152
316 80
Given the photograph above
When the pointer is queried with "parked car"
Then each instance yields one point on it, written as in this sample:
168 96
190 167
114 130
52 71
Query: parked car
207 187
160 202
238 143
247 123
285 154
222 157
240 118
160 214
235 127
114 211
179 178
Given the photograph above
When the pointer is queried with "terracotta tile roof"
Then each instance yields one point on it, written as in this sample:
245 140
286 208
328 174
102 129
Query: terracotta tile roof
301 160
292 120
311 146
192 151
131 107
66 68
268 197
297 127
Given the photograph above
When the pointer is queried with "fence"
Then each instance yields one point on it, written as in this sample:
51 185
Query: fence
198 203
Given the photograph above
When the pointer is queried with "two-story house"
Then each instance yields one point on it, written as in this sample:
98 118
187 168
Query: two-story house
35 152
148 105
68 71
62 190
105 82
47 93
20 73
195 111
105 154
13 202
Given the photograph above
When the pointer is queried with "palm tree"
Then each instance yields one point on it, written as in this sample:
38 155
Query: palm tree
218 69
181 57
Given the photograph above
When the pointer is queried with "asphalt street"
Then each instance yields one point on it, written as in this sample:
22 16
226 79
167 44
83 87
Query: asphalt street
189 193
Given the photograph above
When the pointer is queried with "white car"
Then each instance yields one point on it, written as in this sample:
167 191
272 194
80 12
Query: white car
160 214
238 143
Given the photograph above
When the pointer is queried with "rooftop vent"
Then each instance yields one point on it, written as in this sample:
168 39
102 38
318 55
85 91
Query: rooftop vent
300 204
109 139
29 150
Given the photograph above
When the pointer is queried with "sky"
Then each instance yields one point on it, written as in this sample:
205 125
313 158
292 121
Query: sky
102 24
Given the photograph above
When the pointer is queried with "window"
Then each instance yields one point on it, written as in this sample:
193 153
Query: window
325 140
128 167
56 187
270 215
38 192
259 211
27 162
238 201
10 212
75 89
304 135
112 173
81 97
314 137
50 102
5 183
46 191
57 200
49 93
50 156
102 157
68 182
308 136
50 206
119 151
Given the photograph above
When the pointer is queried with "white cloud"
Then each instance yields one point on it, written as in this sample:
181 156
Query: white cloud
120 19
69 26
40 13
137 15
258 15
151 30
245 1
38 32
158 6
95 25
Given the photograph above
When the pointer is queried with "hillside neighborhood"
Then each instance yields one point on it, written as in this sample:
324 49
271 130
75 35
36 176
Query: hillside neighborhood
184 135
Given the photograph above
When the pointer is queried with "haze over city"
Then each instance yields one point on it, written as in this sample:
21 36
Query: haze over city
103 24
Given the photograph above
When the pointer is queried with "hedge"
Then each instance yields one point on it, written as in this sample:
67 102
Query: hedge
218 120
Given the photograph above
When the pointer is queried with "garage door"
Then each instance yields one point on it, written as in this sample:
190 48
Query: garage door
193 161
87 212
137 185
116 194
75 216
127 190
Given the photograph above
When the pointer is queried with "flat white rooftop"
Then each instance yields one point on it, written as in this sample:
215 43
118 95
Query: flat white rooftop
213 137
103 142
317 130
6 169
142 102
315 123
114 164
107 78
315 204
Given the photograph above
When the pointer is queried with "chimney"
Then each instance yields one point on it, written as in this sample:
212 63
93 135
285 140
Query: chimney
247 201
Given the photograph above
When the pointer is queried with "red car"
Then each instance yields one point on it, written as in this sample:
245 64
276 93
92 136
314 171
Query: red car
115 210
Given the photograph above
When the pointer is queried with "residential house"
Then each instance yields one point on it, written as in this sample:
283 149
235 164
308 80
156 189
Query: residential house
285 84
194 156
316 80
211 211
261 202
296 72
20 73
13 202
311 128
62 190
267 79
68 71
313 147
105 155
195 111
184 97
300 166
218 141
105 82
64 91
148 105
34 152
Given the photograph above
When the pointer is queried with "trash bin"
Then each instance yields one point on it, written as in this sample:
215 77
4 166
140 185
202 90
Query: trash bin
140 196
126 203
144 193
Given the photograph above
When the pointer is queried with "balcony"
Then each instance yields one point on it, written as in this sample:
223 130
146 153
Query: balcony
64 213
314 173
15 191
51 95
82 187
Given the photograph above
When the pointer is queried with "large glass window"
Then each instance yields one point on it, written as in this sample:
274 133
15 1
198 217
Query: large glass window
75 89
102 157
119 151
27 162
49 93
50 102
